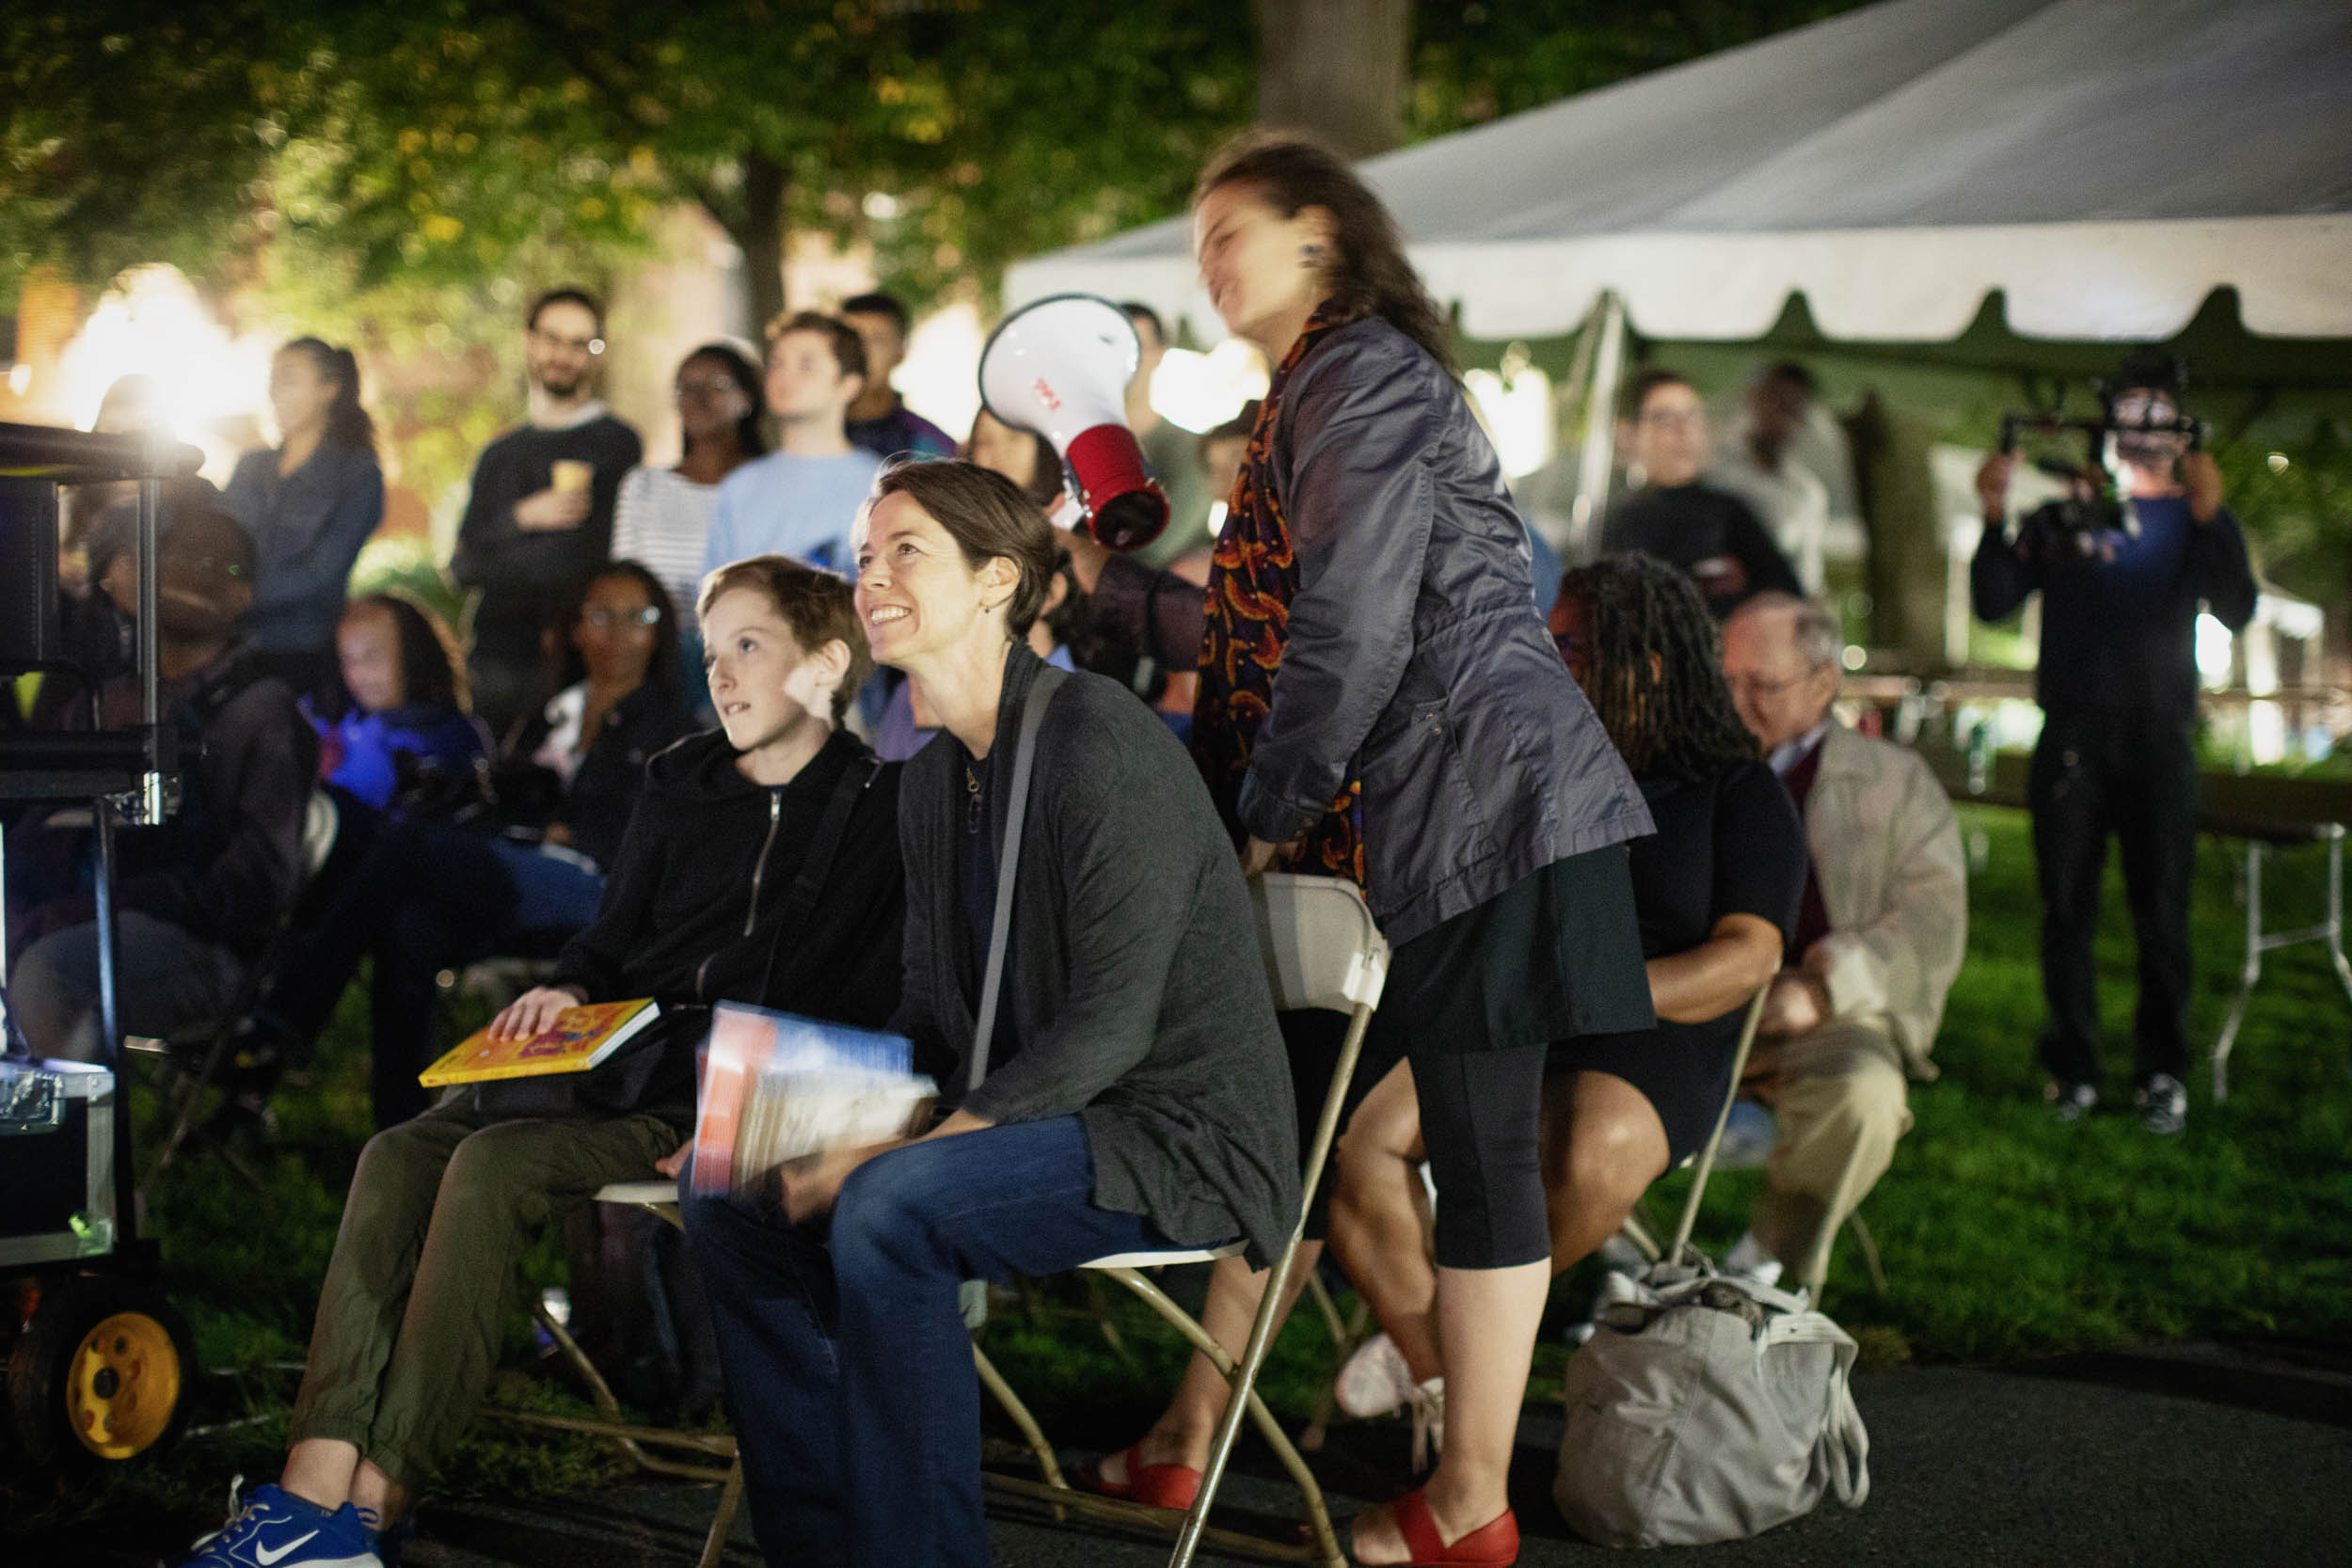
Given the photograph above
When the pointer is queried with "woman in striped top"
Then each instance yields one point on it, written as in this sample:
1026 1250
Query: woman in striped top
662 514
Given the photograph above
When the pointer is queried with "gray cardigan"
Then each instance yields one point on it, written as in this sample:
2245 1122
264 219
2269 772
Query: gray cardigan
1137 1000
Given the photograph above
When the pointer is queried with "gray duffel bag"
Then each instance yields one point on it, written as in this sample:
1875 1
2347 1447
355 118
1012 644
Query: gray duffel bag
1705 1408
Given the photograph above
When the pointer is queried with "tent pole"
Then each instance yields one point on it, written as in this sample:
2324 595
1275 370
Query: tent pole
1600 433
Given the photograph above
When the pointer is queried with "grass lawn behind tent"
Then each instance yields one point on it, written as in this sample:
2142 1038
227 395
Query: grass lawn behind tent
2004 1234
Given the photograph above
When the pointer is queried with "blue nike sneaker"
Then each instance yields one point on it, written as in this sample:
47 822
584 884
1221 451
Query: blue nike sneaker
270 1527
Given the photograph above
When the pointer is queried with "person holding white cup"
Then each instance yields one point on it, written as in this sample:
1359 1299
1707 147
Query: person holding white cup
540 514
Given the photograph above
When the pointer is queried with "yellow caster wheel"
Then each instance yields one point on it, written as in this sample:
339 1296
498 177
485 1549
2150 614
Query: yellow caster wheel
101 1374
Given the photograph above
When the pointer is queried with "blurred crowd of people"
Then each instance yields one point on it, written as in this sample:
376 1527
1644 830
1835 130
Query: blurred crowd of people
471 791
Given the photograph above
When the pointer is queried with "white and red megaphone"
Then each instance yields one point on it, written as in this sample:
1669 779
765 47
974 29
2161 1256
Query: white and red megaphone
1059 368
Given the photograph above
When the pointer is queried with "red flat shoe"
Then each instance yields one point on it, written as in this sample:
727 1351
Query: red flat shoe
1153 1485
1493 1544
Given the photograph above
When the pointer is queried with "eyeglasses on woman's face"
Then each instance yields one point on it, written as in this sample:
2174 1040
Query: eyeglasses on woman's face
712 386
604 617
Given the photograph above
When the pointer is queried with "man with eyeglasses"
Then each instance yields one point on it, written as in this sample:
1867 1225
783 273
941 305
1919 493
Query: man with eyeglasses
540 515
1881 931
2122 585
1670 514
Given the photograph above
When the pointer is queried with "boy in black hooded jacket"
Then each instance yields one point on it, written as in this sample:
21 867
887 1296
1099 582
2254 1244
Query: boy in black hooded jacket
706 903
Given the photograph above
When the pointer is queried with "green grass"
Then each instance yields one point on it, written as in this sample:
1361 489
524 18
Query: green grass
2004 1234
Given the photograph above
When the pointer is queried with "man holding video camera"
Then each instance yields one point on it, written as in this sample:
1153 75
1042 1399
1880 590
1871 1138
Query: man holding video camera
2121 581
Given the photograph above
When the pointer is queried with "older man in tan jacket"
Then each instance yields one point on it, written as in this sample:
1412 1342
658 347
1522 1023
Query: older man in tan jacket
1879 937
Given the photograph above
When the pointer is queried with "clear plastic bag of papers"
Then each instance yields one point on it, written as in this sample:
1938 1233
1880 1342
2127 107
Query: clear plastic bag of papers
778 1087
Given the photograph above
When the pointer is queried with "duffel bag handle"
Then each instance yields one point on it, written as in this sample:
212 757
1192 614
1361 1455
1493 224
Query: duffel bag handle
1847 1443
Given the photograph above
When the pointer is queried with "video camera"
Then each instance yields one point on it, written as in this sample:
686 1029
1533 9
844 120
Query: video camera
2091 507
134 765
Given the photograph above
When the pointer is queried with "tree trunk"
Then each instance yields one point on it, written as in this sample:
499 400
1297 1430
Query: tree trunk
1337 68
1906 543
757 226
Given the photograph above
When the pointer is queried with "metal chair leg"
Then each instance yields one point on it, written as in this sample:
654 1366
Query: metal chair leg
1098 1303
1262 1331
1055 1492
993 1380
1033 1434
2246 977
1346 1335
1321 1295
1238 1376
1636 1232
2335 911
633 1439
730 1499
181 1095
1870 1249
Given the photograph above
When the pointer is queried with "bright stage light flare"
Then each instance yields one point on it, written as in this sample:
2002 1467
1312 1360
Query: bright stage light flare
2215 645
1516 408
153 324
1199 391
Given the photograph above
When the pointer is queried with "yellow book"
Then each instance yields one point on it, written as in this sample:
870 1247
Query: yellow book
580 1038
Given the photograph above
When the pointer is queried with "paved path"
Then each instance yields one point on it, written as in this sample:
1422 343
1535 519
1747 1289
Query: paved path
2191 1456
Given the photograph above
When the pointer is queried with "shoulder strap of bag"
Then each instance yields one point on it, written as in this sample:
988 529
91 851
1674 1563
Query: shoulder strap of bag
799 901
1042 691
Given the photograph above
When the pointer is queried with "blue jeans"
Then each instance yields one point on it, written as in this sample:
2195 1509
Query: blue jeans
424 897
849 1371
555 889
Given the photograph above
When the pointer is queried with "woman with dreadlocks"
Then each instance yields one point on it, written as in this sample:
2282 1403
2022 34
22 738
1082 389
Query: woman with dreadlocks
1716 889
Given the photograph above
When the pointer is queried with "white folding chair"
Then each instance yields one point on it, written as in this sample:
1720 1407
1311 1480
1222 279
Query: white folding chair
658 1197
1321 949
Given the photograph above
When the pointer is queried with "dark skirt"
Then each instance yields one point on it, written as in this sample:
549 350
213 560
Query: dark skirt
1554 956
1682 1069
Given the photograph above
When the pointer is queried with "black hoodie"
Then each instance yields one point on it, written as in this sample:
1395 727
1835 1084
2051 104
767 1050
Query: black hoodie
691 907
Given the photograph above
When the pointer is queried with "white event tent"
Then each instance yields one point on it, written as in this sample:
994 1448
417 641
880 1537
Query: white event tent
2105 163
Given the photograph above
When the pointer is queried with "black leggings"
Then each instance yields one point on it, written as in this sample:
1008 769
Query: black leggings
1481 1121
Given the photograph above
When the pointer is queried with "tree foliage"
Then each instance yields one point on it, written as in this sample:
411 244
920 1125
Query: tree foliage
431 143
131 134
1476 59
397 176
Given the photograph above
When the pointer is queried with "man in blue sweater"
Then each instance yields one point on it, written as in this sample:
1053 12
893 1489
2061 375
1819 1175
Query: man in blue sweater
2117 681
800 499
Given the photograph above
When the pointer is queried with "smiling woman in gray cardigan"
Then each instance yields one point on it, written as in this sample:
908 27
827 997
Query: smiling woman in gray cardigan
1136 1094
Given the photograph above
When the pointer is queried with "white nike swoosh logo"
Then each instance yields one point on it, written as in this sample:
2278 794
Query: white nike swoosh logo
263 1555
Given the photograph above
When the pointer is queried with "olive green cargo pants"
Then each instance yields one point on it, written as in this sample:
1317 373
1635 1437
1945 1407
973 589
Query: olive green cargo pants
427 1267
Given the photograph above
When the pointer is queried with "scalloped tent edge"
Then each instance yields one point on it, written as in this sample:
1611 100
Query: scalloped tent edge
2105 166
